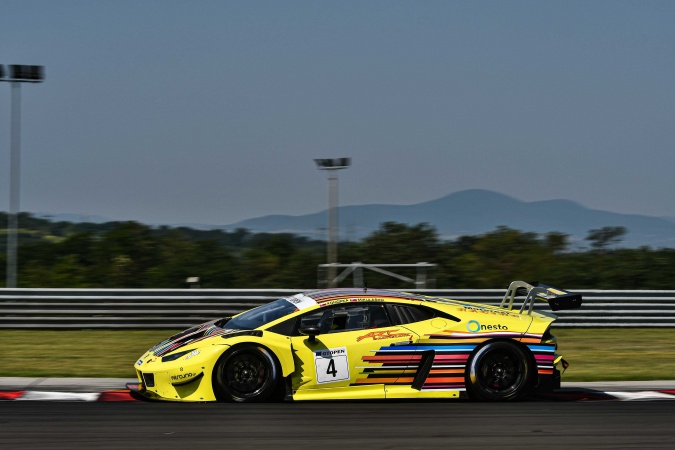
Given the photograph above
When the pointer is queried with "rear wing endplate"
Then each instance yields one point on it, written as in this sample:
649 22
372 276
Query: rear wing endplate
556 298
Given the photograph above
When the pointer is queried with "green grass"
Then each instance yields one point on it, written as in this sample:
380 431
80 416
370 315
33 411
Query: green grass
594 354
77 353
615 354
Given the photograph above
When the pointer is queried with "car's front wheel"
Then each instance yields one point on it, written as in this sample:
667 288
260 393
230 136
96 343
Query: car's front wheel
498 371
247 373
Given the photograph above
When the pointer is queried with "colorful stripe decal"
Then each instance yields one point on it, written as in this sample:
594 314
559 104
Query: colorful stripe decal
190 336
398 365
402 364
544 356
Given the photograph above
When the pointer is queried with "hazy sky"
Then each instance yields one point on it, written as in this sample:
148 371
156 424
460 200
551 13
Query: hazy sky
212 112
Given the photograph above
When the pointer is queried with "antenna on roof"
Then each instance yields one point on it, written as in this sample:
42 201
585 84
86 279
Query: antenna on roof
365 288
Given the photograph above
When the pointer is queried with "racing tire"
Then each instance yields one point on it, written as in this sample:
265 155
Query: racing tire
246 374
498 371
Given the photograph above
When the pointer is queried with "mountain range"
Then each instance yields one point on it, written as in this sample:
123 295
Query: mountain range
475 212
464 213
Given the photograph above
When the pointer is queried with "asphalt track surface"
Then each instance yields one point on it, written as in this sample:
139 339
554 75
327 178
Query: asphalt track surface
592 420
344 425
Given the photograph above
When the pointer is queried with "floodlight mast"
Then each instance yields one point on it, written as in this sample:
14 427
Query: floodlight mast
332 166
17 74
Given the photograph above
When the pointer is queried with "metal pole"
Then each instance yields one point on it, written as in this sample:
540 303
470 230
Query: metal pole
14 186
332 225
332 166
18 74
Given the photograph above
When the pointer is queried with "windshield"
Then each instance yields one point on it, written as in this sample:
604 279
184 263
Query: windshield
261 315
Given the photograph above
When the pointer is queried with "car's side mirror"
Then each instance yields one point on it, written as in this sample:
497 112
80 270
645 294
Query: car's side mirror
312 332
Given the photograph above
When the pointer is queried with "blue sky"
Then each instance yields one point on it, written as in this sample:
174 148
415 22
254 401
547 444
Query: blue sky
212 112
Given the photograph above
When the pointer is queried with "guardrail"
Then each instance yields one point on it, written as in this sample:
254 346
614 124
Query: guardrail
182 308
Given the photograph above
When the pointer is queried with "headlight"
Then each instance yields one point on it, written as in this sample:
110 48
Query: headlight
175 356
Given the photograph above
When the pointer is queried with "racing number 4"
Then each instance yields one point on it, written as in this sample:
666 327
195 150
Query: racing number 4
332 365
331 368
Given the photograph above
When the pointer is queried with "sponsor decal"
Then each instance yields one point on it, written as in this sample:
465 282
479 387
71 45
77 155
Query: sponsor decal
139 362
350 300
183 376
191 354
302 301
333 302
332 364
386 334
473 309
494 327
474 327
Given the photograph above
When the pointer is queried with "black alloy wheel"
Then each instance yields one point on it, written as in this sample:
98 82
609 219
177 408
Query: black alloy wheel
246 373
498 371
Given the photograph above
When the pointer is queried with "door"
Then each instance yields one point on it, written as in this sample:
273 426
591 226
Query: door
341 361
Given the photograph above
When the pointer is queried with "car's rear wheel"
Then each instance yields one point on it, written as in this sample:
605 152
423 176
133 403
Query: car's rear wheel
498 371
247 373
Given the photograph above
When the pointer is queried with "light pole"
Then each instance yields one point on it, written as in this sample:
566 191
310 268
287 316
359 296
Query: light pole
332 166
18 74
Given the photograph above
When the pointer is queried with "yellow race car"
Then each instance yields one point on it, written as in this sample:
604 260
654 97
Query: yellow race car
338 344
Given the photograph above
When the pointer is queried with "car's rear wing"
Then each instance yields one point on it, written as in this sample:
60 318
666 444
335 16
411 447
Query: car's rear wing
556 298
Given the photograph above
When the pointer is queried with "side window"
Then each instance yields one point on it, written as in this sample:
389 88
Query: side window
348 317
284 328
402 314
359 316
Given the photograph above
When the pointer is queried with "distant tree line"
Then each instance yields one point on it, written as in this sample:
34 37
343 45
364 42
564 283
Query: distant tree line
133 255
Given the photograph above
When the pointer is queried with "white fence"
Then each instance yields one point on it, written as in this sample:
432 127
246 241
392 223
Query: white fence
181 308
